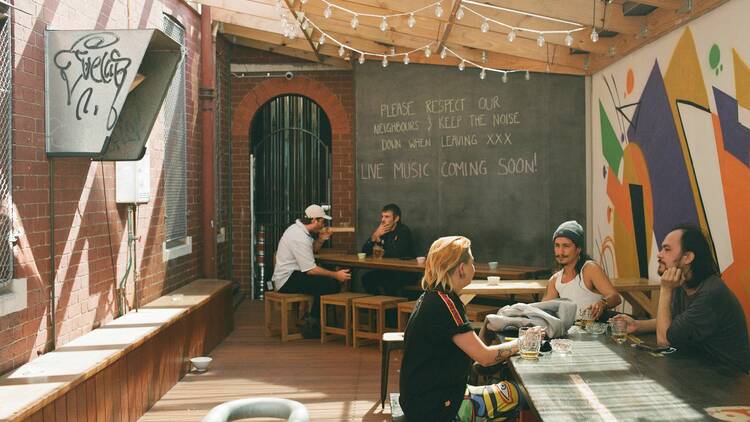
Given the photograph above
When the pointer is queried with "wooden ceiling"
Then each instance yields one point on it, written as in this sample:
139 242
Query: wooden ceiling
624 26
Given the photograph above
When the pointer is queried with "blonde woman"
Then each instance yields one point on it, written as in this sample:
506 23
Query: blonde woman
440 345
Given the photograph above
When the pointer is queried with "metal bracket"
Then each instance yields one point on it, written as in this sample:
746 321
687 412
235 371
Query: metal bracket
687 7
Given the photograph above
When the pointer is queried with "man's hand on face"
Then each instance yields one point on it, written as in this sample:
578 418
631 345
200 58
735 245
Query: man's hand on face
672 278
324 234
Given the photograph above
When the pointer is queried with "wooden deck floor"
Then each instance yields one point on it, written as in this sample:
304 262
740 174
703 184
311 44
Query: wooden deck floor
334 382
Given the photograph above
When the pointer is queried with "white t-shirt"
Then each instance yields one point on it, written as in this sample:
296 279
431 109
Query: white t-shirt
295 253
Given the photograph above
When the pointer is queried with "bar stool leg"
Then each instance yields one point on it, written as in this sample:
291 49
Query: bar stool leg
355 323
384 362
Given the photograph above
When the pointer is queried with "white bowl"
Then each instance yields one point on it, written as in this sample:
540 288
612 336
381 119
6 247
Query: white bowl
201 363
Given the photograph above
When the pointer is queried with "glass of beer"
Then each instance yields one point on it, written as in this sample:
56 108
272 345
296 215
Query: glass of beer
378 252
619 330
529 342
585 318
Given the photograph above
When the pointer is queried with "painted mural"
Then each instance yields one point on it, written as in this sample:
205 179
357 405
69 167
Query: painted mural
671 144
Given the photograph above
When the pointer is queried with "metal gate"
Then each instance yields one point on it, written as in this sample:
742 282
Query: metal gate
291 156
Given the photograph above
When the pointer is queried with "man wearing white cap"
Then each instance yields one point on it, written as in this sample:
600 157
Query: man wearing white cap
295 270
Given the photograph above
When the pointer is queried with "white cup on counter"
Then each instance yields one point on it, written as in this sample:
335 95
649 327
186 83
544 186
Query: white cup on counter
493 280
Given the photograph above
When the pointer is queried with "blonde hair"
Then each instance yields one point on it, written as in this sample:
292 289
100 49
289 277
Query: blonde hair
445 255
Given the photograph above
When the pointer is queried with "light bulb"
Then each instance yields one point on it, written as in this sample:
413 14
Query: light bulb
594 35
328 12
305 25
384 24
569 40
361 58
438 10
322 39
385 61
482 74
460 13
354 22
512 35
303 1
547 68
484 56
462 65
443 53
293 34
485 26
406 59
527 76
540 40
505 77
411 21
341 50
427 51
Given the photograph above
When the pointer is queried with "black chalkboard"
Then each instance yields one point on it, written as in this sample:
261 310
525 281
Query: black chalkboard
500 163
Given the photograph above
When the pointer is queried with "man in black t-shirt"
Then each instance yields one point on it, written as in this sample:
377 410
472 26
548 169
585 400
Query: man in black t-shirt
696 310
395 238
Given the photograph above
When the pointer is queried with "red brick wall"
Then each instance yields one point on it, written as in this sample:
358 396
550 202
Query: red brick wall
331 90
89 226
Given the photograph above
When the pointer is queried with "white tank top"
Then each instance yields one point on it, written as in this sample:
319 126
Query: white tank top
576 290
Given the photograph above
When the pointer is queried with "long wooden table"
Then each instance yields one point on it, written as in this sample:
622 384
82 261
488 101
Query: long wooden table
641 293
510 272
605 381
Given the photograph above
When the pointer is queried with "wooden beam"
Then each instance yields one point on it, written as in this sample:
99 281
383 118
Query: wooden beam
664 4
267 37
249 7
661 22
579 11
250 21
448 26
306 34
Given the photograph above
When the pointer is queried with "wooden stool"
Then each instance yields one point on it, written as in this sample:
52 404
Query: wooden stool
404 310
337 300
473 312
286 302
379 305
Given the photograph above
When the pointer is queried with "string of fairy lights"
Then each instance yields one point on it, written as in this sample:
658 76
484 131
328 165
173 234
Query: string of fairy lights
290 30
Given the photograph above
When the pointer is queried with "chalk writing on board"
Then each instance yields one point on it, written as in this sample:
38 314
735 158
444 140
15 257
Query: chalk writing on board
445 105
448 141
411 170
518 165
463 168
371 171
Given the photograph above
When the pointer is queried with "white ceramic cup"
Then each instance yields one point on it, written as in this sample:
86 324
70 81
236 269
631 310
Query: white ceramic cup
492 265
420 260
493 280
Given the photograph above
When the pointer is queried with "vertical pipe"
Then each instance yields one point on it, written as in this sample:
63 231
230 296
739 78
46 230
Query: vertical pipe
52 265
207 97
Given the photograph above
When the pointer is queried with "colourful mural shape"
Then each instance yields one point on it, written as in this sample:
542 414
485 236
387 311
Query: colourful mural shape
679 153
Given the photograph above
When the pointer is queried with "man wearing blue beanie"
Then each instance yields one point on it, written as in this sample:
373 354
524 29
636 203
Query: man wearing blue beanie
580 279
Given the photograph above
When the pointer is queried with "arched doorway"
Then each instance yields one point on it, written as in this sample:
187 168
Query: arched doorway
290 141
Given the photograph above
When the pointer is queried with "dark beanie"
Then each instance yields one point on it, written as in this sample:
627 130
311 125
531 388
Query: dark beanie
572 230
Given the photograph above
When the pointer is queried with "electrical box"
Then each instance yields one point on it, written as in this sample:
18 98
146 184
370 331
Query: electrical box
133 181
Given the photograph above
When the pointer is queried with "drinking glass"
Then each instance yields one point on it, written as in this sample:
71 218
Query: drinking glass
619 330
378 252
530 341
585 318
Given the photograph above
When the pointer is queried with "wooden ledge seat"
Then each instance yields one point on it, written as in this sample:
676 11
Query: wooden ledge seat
119 370
285 305
377 307
475 313
337 301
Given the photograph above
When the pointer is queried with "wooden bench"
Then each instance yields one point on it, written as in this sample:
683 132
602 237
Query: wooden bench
118 371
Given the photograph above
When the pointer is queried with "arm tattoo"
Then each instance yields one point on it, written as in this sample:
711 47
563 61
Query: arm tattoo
503 353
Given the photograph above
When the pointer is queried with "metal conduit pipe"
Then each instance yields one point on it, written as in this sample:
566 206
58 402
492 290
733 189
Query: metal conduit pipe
207 97
52 267
121 291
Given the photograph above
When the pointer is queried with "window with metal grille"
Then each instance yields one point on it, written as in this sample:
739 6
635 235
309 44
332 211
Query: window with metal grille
6 203
175 189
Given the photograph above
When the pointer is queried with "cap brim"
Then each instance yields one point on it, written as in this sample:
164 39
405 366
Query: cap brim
328 217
